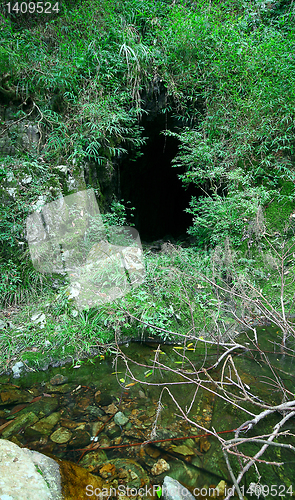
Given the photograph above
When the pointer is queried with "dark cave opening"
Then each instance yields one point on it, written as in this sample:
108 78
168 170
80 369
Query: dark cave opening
152 185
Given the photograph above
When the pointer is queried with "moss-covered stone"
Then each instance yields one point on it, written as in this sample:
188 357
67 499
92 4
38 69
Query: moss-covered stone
20 422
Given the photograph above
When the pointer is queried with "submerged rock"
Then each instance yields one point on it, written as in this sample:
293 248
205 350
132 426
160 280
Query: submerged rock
187 474
104 441
10 394
80 439
58 379
93 459
46 424
110 409
61 388
61 435
21 422
182 450
113 430
72 424
129 471
43 407
96 427
173 490
120 418
159 467
152 451
94 411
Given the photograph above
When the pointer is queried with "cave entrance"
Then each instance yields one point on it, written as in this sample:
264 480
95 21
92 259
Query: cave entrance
152 185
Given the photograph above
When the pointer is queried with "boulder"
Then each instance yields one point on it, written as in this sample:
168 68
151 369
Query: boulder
28 474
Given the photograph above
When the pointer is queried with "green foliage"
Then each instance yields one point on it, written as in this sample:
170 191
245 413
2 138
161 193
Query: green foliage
117 215
228 72
10 281
88 65
231 72
217 217
24 186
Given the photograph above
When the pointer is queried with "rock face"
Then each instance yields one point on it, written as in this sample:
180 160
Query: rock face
23 136
173 490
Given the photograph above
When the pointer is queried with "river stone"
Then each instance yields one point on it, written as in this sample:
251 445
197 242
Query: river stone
105 398
72 424
152 451
27 474
20 422
113 430
80 439
42 407
96 427
110 409
17 369
10 394
182 450
94 411
120 419
104 441
58 379
159 467
46 424
173 490
78 483
61 435
63 388
92 459
129 470
97 397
